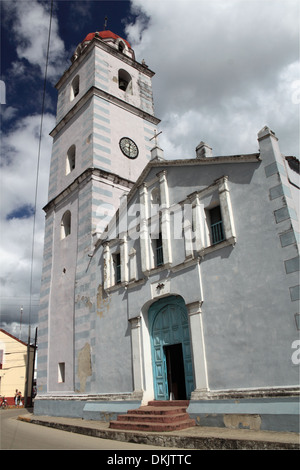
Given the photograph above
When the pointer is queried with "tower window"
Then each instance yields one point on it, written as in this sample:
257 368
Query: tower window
70 161
61 372
216 225
125 81
74 88
65 225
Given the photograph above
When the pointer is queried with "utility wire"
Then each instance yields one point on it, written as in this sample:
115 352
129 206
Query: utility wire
38 160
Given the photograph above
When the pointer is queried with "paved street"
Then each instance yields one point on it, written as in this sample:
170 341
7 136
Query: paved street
19 435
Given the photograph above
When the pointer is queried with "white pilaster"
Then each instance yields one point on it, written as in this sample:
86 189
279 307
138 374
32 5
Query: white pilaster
124 258
226 210
107 267
198 346
136 353
144 231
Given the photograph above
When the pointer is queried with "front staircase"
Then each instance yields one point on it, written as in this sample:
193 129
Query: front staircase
156 416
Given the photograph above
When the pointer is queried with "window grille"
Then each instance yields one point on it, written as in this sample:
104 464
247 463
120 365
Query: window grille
159 251
217 232
216 225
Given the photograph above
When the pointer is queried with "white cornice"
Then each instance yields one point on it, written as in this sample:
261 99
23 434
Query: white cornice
88 175
94 91
231 159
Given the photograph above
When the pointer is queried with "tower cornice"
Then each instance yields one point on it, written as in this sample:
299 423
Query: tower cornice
94 91
86 176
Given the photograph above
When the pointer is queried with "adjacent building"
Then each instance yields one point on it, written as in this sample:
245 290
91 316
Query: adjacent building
163 279
16 368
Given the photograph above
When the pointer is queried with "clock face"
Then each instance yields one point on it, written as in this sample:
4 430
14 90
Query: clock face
128 147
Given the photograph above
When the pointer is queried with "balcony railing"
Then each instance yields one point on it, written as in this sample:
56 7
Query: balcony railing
159 255
118 273
217 232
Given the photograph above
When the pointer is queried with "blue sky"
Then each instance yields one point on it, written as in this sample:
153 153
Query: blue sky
224 69
72 20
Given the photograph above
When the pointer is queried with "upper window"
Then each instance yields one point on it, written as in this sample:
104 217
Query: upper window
70 161
216 225
74 87
66 224
125 83
159 255
117 267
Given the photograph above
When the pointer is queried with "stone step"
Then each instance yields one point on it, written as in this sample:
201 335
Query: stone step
152 427
156 416
184 403
158 410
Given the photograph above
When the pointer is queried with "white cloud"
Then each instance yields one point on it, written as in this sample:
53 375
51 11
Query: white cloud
30 27
22 235
18 186
8 113
224 69
19 161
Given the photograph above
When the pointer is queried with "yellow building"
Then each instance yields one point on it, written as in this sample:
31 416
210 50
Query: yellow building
13 366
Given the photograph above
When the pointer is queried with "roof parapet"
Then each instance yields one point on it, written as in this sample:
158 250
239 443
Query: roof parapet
203 150
266 132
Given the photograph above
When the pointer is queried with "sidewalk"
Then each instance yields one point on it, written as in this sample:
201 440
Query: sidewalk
194 438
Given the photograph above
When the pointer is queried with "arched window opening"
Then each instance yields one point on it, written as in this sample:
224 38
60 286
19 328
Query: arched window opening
75 87
70 161
125 81
66 225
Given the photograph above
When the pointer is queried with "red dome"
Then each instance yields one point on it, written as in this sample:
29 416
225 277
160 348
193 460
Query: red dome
105 35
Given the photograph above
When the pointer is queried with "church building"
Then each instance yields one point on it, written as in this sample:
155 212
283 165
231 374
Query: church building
163 279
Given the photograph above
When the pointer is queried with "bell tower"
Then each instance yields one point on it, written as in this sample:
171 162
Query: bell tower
101 142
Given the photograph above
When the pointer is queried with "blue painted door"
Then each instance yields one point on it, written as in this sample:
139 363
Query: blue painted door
168 326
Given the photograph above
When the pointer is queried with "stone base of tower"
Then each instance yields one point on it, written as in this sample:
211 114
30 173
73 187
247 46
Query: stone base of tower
104 407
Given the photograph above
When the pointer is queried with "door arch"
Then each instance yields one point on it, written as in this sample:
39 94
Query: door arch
170 349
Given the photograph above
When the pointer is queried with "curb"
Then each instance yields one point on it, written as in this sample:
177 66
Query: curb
168 439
